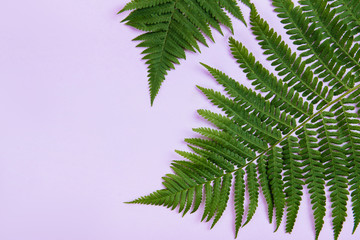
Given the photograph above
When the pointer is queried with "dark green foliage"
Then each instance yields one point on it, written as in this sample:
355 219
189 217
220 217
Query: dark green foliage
173 26
298 128
239 198
275 165
265 186
253 188
349 13
292 178
313 173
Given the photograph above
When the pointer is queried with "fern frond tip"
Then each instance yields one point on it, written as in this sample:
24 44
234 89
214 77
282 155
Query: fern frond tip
205 65
354 229
200 87
122 10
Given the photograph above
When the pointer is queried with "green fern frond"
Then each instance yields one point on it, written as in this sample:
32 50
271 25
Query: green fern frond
349 13
250 100
284 98
239 198
309 39
265 186
336 172
223 199
173 26
288 65
293 182
275 167
253 189
297 128
334 32
313 173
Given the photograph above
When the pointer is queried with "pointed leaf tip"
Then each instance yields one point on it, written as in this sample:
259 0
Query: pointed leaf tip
152 99
204 65
122 10
200 88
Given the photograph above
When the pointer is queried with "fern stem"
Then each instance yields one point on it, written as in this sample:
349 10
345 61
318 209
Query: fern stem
306 121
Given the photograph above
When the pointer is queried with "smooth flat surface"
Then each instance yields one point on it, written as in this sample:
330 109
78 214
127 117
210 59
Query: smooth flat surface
78 136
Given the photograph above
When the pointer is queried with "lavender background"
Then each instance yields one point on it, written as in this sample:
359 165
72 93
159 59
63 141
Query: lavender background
78 136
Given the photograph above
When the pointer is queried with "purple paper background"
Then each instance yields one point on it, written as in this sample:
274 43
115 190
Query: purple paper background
78 136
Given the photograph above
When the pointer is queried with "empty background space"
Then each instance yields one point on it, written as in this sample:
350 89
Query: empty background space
78 137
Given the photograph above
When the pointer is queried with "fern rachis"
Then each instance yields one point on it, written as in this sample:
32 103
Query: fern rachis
298 128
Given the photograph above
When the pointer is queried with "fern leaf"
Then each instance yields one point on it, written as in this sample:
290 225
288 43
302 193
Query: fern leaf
215 198
217 154
309 39
275 164
226 141
232 7
284 98
203 166
336 172
239 199
348 124
198 197
208 199
334 30
189 200
241 116
356 97
248 99
227 125
288 65
265 186
253 188
297 128
213 157
173 26
293 179
246 2
349 12
314 174
224 197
